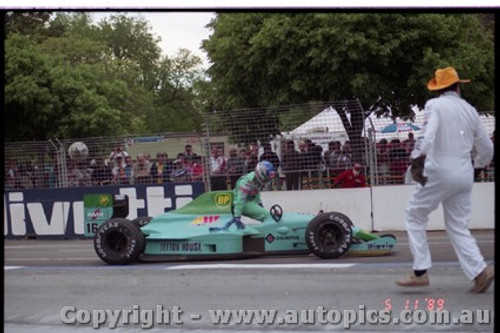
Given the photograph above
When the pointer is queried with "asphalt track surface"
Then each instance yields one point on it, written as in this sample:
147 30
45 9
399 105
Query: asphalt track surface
46 282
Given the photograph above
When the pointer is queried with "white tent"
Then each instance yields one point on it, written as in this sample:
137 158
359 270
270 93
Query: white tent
324 127
379 123
327 126
326 121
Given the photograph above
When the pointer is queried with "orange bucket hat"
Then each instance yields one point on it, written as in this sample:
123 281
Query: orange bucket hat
443 78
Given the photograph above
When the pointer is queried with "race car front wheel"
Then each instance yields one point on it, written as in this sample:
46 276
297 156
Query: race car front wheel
119 241
329 235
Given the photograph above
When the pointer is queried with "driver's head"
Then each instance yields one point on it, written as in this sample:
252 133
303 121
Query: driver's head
264 172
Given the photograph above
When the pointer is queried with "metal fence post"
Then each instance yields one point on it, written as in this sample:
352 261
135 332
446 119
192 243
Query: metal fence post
205 140
62 165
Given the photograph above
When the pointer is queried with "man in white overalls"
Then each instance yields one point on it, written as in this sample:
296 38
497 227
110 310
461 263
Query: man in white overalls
441 164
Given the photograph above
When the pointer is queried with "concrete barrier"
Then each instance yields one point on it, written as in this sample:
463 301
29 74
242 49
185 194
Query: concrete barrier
58 213
380 208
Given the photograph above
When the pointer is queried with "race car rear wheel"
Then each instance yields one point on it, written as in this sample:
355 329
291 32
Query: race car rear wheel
119 241
329 235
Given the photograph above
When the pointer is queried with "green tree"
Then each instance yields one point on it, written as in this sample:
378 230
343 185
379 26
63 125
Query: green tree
48 96
68 84
383 60
130 38
68 77
174 98
28 23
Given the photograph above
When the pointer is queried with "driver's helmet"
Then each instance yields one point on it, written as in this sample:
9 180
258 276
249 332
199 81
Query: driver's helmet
264 172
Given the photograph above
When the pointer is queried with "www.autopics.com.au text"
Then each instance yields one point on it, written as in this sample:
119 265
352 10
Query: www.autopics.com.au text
161 315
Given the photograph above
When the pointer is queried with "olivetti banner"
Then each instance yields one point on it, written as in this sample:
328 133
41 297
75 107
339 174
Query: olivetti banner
59 213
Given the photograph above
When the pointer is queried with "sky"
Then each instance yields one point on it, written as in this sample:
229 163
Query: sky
176 29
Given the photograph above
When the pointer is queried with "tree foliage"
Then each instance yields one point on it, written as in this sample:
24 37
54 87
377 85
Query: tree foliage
383 60
68 77
175 94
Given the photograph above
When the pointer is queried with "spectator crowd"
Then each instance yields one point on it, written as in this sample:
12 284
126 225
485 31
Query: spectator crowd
297 162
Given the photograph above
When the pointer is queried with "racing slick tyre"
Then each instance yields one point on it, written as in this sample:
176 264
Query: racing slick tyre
142 220
329 235
119 241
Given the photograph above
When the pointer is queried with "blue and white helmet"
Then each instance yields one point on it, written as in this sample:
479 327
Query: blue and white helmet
264 172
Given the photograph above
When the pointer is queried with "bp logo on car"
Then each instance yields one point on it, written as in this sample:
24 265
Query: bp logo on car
104 200
223 200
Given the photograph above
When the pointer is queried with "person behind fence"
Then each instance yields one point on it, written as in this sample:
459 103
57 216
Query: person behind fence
218 169
52 170
311 158
118 151
74 174
246 195
188 151
269 155
196 168
101 175
119 163
141 170
441 164
78 176
27 180
345 159
235 164
180 171
250 162
128 167
13 175
383 160
319 156
409 143
398 162
120 177
147 157
333 158
291 165
254 150
332 147
161 169
350 178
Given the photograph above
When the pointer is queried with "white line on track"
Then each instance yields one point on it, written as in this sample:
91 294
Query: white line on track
45 246
447 241
75 250
48 259
260 266
7 268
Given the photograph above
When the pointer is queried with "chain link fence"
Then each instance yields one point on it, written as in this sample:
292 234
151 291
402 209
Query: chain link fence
312 146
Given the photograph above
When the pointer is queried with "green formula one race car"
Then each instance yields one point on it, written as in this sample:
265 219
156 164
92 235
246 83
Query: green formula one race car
196 232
